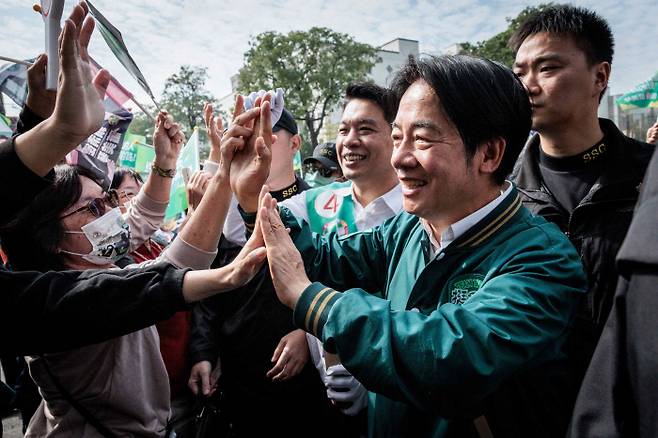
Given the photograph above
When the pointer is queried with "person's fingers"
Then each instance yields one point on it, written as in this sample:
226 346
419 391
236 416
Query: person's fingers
159 120
239 107
85 36
39 66
233 144
173 130
207 113
278 350
219 126
255 258
67 46
78 14
246 117
192 383
101 81
266 122
280 364
179 138
238 131
205 382
264 191
262 150
169 121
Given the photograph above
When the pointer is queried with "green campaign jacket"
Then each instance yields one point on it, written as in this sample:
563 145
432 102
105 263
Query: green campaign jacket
476 330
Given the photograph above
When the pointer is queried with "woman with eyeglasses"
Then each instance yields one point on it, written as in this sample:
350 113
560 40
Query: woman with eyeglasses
120 384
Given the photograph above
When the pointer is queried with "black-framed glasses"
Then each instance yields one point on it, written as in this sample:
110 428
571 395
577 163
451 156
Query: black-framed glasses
97 206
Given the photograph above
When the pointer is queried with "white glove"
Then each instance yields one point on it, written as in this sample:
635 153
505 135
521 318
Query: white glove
276 102
344 390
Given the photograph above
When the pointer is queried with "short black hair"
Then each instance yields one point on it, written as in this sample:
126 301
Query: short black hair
120 174
483 99
31 241
381 96
588 30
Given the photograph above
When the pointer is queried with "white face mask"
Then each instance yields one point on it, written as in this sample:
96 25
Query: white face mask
109 236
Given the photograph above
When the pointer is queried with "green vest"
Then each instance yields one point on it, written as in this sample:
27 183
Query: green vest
331 209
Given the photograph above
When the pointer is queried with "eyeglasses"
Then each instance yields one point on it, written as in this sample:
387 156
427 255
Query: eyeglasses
323 171
97 205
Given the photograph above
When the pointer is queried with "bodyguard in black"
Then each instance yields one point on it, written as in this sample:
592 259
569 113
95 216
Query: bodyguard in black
577 171
619 396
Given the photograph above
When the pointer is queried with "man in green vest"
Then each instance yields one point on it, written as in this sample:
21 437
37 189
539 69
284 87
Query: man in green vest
454 312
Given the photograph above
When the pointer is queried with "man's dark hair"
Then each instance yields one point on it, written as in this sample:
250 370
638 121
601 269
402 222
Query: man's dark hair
120 175
588 30
374 93
483 99
31 241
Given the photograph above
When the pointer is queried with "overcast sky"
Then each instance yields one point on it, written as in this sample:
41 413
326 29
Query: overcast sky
161 35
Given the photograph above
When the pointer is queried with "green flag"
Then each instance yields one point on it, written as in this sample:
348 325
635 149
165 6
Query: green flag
189 157
644 95
5 126
114 40
136 154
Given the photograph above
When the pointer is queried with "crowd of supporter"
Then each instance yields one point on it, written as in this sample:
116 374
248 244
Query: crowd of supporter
475 255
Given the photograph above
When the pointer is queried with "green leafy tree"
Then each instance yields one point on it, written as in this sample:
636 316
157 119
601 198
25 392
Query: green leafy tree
184 95
142 124
495 48
313 66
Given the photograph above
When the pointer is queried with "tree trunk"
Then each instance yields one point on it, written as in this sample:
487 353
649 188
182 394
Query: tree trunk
312 131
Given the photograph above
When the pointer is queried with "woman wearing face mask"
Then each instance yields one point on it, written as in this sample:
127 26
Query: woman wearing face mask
121 383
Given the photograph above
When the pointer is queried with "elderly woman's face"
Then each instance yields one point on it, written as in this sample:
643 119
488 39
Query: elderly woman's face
74 222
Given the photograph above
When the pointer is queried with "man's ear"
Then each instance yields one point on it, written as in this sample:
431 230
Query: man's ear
491 155
295 142
602 76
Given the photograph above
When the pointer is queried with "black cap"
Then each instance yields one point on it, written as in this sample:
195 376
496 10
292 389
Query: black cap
287 122
324 154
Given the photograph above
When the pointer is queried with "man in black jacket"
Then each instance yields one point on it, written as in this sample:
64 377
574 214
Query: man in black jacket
619 395
578 171
244 328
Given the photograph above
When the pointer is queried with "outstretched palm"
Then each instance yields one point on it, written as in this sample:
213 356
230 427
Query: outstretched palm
79 109
250 161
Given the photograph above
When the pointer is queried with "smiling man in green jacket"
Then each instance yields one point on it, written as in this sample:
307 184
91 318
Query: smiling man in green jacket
478 295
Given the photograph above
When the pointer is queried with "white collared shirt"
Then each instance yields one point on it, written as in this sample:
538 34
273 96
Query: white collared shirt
461 226
373 214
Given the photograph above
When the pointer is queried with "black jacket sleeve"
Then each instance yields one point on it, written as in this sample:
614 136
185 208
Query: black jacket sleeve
27 120
56 311
18 184
619 395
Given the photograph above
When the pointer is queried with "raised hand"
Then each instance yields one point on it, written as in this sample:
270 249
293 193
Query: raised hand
286 264
40 100
215 131
250 165
196 187
79 109
168 140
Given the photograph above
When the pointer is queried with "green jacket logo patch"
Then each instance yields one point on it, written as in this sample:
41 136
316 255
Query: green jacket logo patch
462 287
